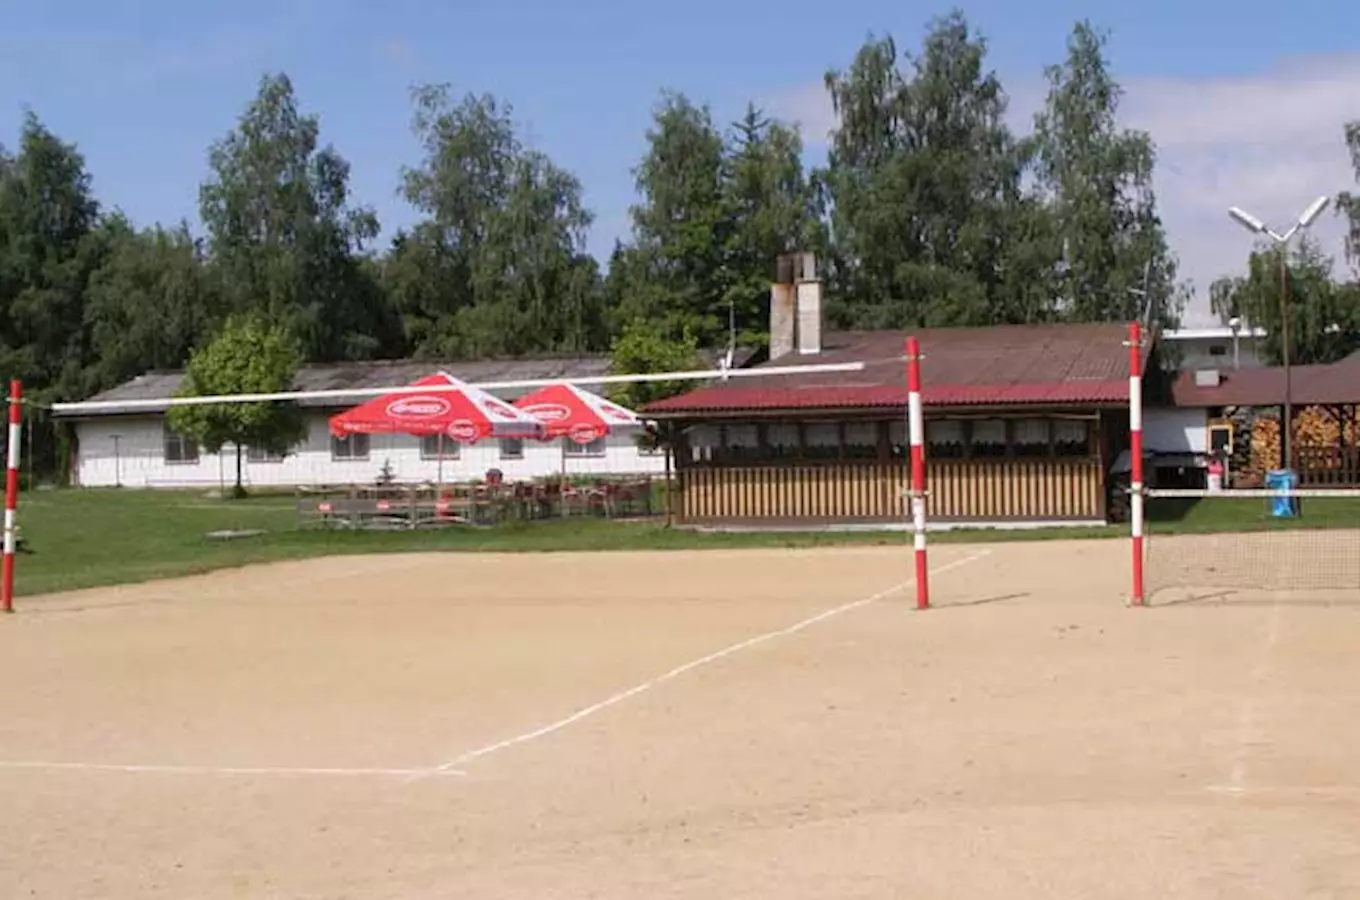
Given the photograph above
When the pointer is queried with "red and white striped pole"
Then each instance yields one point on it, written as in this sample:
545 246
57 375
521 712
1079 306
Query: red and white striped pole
1135 343
16 393
916 436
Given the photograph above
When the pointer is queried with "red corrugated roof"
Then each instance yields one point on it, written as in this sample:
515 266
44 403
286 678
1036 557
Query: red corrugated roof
854 396
1003 365
1337 384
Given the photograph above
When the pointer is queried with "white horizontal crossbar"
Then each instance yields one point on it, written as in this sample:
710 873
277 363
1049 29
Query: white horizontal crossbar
1248 493
354 393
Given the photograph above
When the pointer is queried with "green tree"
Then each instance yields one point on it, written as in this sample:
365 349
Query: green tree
1324 317
856 186
923 184
148 304
247 356
498 265
1097 178
1348 203
48 248
681 226
645 347
47 215
715 211
285 240
773 210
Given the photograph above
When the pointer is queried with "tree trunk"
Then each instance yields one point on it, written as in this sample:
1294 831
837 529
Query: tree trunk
238 491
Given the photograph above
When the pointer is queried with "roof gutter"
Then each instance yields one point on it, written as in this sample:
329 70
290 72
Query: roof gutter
878 412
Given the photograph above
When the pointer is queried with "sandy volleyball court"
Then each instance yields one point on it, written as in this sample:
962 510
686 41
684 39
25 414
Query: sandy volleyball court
712 724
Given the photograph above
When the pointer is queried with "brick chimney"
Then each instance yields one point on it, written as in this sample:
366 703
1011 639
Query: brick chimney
795 306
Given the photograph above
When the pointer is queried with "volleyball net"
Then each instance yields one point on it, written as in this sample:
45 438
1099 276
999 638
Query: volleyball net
1183 539
1259 545
1236 544
435 397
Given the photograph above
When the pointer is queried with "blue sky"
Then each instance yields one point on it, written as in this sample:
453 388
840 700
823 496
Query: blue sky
1246 100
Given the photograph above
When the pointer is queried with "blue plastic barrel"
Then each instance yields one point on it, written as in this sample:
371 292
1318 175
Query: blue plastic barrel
1282 480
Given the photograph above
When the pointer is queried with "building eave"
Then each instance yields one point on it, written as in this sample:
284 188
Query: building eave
891 398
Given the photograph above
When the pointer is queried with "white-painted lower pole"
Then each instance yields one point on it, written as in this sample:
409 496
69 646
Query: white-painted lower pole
916 438
16 393
1136 456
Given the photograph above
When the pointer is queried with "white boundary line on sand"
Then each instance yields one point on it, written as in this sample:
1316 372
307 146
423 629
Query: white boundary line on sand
619 697
1247 727
215 770
450 768
1291 791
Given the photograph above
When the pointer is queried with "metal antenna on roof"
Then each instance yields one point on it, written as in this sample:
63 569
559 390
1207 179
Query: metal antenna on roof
1064 271
730 356
1146 306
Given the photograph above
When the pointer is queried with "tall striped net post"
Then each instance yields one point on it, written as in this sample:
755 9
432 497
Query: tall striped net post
16 393
1135 344
917 438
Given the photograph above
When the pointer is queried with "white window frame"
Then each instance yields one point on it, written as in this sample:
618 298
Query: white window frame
505 448
350 441
261 455
429 447
594 450
188 453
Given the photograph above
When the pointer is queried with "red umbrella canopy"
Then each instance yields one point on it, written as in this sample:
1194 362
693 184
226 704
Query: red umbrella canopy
463 412
567 411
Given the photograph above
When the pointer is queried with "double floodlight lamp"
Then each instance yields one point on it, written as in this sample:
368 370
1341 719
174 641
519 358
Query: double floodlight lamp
1256 226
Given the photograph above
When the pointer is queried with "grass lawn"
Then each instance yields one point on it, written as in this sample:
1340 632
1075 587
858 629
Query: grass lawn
88 538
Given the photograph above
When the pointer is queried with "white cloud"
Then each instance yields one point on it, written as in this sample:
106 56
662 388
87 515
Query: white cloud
1270 142
809 106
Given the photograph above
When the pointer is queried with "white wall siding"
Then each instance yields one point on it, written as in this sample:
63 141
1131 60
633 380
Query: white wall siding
1217 353
1169 430
137 459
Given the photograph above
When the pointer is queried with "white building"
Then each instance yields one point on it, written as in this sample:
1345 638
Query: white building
132 447
1175 430
1218 346
1209 351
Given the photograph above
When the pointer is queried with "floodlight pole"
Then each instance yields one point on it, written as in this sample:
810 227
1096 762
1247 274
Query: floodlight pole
1256 226
1287 426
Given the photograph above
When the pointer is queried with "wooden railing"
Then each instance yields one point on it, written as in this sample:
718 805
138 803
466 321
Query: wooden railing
1017 489
848 491
1327 466
960 490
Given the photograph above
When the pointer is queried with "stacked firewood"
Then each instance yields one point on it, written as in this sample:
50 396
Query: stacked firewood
1265 449
1313 427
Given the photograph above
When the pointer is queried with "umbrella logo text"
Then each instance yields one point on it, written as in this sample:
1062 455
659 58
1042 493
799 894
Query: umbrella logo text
548 412
494 406
585 434
418 407
615 413
462 430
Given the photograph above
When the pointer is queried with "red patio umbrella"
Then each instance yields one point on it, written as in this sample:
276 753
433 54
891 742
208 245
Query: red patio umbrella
460 412
566 411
